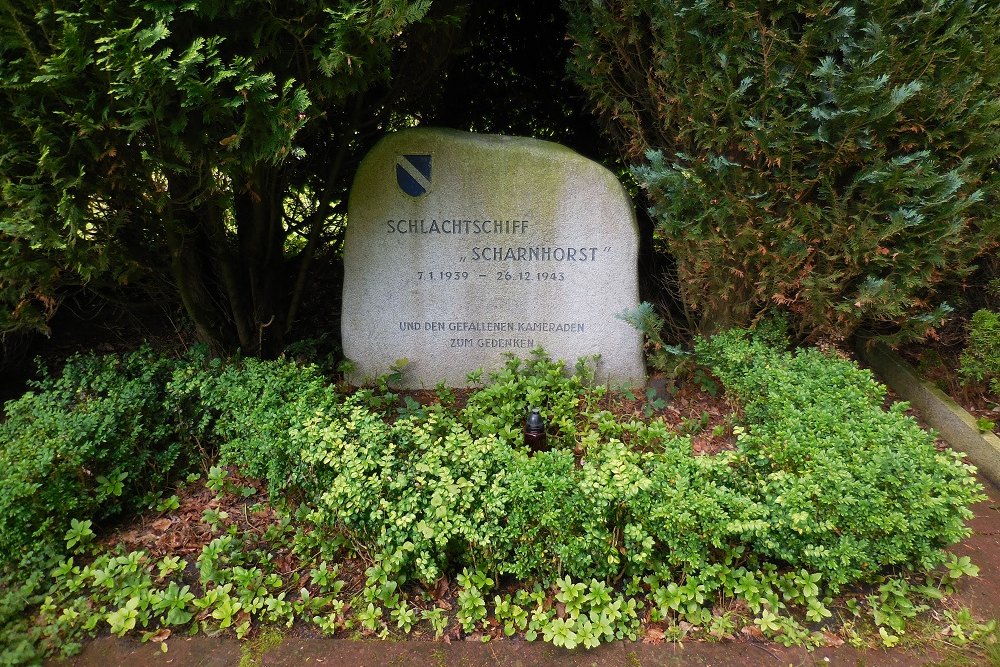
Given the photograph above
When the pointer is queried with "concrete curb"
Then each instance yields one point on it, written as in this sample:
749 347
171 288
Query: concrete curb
944 415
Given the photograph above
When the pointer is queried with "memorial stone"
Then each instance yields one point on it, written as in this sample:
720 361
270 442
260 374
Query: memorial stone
461 247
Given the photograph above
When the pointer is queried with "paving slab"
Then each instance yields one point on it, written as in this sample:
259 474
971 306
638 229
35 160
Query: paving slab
219 652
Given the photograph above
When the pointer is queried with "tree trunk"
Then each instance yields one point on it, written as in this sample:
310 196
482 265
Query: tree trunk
191 271
261 239
231 284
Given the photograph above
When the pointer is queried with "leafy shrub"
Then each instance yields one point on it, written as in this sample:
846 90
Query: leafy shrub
981 357
823 479
436 491
248 407
834 159
86 444
501 407
845 487
621 511
824 489
423 490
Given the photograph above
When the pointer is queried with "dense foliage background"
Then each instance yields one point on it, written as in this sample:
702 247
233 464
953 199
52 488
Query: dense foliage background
203 149
833 159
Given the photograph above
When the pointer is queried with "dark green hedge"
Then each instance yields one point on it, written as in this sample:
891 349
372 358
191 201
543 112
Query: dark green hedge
834 159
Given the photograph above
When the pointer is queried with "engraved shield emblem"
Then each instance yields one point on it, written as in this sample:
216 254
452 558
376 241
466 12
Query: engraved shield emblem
413 174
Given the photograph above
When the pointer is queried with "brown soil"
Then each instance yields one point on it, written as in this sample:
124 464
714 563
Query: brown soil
182 532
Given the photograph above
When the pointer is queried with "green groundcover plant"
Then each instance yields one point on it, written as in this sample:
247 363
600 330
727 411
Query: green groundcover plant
618 524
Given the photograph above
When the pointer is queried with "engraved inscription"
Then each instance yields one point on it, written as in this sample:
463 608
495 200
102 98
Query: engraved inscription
514 260
461 248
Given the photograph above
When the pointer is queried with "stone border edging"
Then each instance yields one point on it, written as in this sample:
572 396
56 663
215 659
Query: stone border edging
944 415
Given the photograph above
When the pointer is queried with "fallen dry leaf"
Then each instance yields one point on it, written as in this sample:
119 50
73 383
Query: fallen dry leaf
441 587
161 524
160 636
653 636
832 639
